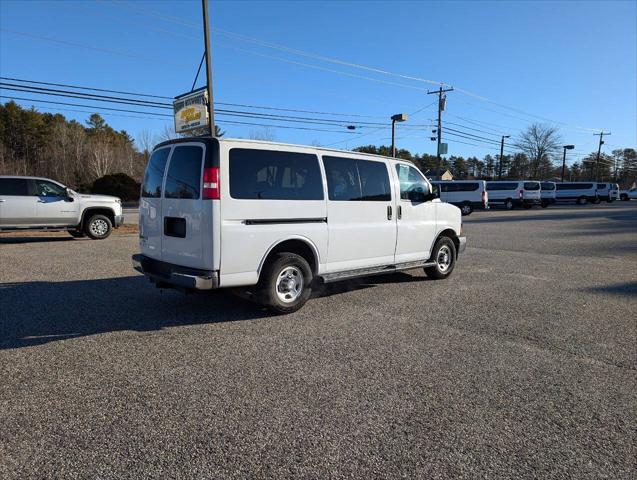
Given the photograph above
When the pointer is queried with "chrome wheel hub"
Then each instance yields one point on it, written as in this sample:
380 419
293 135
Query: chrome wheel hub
289 284
98 227
444 258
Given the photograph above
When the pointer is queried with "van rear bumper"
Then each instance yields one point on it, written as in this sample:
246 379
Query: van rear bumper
167 274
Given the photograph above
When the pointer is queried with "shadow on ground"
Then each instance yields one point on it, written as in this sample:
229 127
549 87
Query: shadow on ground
36 313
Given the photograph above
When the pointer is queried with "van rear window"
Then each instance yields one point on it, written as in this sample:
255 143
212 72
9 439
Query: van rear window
531 185
548 186
184 173
274 175
154 176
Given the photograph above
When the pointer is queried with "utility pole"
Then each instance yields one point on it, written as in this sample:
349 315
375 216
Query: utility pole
206 35
501 156
599 151
441 107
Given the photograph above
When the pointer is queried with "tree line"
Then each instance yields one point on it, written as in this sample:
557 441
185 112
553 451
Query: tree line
539 156
75 154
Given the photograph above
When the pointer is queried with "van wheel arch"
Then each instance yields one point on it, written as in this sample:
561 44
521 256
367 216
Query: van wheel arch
297 246
449 233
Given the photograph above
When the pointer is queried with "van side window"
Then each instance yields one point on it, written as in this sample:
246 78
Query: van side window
274 175
184 173
501 186
411 180
350 179
151 188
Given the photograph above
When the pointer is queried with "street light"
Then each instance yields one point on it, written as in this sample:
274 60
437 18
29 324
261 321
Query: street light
399 117
566 147
501 154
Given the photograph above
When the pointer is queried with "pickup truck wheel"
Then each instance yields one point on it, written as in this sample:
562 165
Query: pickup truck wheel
466 209
77 233
444 254
98 227
285 283
508 204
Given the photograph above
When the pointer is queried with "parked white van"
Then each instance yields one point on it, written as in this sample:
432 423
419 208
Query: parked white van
604 192
613 193
547 193
579 192
467 195
273 218
514 193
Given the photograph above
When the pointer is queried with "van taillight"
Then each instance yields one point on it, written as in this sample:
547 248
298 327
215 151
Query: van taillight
484 197
211 187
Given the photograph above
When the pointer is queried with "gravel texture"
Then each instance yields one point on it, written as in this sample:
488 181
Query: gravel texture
521 365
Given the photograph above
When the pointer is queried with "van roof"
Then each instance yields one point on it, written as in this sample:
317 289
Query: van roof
208 138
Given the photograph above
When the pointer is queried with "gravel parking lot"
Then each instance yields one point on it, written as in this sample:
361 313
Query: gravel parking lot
522 365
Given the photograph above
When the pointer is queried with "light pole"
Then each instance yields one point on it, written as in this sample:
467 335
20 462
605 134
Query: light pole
501 154
399 117
206 36
566 147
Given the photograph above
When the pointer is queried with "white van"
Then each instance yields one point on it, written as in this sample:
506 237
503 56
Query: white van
613 193
272 218
467 195
547 194
579 192
514 193
603 192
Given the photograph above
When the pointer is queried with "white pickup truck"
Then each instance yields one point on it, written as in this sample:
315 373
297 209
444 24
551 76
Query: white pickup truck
32 203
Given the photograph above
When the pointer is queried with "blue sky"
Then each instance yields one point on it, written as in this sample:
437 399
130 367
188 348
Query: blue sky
568 63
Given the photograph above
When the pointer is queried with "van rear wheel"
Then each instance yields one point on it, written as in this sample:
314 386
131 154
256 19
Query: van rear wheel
285 284
444 254
582 201
508 204
466 209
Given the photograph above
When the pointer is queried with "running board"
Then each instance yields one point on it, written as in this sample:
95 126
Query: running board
364 272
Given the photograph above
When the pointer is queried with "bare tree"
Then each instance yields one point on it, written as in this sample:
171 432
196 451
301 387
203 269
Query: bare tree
540 143
145 142
265 133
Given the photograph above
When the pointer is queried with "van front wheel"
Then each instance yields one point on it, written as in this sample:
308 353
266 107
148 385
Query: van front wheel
285 283
466 209
444 254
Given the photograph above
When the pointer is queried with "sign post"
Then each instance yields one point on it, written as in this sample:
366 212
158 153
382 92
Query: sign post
191 111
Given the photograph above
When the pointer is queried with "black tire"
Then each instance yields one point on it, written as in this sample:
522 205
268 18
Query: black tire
466 209
444 254
528 206
544 204
77 233
98 227
285 283
582 201
623 197
597 201
508 204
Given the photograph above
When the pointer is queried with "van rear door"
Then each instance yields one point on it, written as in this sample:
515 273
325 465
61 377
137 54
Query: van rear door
150 212
186 215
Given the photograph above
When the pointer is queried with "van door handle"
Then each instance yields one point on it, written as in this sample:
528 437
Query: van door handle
1 200
389 212
400 212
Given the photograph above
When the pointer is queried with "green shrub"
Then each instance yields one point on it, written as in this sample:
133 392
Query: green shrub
119 184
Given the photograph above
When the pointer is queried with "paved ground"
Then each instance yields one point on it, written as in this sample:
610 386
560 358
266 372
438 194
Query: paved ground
522 365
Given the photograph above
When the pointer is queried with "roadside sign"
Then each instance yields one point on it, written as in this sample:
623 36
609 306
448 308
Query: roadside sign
191 110
444 147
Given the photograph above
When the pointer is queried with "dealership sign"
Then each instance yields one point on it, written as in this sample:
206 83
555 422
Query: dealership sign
191 110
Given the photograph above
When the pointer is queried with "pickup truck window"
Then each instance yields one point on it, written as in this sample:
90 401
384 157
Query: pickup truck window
14 186
48 189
